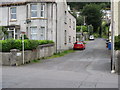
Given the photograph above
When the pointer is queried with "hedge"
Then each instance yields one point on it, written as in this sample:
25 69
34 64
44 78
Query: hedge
7 45
117 42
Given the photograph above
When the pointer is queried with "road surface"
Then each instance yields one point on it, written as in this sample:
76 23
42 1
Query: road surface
89 68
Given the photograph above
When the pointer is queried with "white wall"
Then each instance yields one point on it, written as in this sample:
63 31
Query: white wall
54 22
119 18
116 17
61 27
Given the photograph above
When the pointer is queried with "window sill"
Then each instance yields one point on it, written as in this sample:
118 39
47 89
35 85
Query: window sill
13 20
33 18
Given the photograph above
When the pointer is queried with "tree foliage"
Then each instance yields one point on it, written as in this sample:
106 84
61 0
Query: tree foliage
3 32
80 20
79 5
93 15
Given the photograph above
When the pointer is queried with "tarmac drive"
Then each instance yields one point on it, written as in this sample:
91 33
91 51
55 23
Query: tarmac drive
89 68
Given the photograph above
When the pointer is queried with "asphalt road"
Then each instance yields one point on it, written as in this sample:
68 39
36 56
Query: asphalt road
89 68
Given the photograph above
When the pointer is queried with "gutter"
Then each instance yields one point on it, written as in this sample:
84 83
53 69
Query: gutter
56 27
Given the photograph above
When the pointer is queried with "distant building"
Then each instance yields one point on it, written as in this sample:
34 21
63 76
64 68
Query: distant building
107 15
40 20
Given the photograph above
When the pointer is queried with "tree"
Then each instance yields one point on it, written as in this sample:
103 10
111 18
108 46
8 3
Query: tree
3 32
80 20
79 5
93 15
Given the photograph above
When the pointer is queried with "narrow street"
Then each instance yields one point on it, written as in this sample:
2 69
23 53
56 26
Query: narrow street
89 68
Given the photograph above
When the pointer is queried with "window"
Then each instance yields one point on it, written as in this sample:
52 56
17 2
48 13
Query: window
65 37
34 10
42 33
70 22
73 25
69 39
42 10
34 32
73 39
13 12
65 17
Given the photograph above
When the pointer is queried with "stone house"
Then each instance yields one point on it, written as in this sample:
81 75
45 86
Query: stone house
40 20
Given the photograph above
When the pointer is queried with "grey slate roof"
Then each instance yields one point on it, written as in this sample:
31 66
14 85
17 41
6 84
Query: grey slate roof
21 2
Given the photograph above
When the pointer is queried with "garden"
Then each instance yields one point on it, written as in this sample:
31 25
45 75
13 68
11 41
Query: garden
7 45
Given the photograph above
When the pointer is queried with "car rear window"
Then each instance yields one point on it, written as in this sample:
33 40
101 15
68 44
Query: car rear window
79 43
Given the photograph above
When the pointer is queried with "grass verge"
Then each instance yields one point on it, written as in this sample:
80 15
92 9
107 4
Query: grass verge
56 55
36 61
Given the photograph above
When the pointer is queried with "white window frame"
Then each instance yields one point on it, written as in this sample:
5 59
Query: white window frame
33 11
34 33
11 13
42 10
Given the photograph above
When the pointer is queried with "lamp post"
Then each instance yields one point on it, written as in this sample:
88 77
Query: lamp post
23 33
12 31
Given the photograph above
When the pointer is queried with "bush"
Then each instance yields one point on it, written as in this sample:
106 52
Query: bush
96 35
7 45
117 42
84 28
78 28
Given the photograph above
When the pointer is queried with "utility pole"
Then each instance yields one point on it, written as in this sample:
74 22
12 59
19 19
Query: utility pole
112 39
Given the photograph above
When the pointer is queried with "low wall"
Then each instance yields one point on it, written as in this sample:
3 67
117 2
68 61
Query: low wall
117 61
15 57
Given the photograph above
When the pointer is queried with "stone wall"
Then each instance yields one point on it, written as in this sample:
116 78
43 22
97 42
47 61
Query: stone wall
117 61
15 57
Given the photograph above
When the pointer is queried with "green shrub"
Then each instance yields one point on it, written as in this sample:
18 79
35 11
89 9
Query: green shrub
78 28
17 44
7 45
96 35
84 28
117 42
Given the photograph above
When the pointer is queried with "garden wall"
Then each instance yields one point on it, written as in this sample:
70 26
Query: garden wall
15 57
117 61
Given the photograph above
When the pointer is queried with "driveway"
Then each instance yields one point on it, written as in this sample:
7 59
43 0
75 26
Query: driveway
89 68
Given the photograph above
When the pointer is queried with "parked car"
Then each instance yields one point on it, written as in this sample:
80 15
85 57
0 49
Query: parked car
79 45
91 37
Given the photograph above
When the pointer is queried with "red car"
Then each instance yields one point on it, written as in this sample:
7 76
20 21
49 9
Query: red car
79 45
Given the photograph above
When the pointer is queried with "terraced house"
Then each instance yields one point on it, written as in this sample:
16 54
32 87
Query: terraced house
40 20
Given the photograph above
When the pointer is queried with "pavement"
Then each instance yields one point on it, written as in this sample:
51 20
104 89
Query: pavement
89 68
